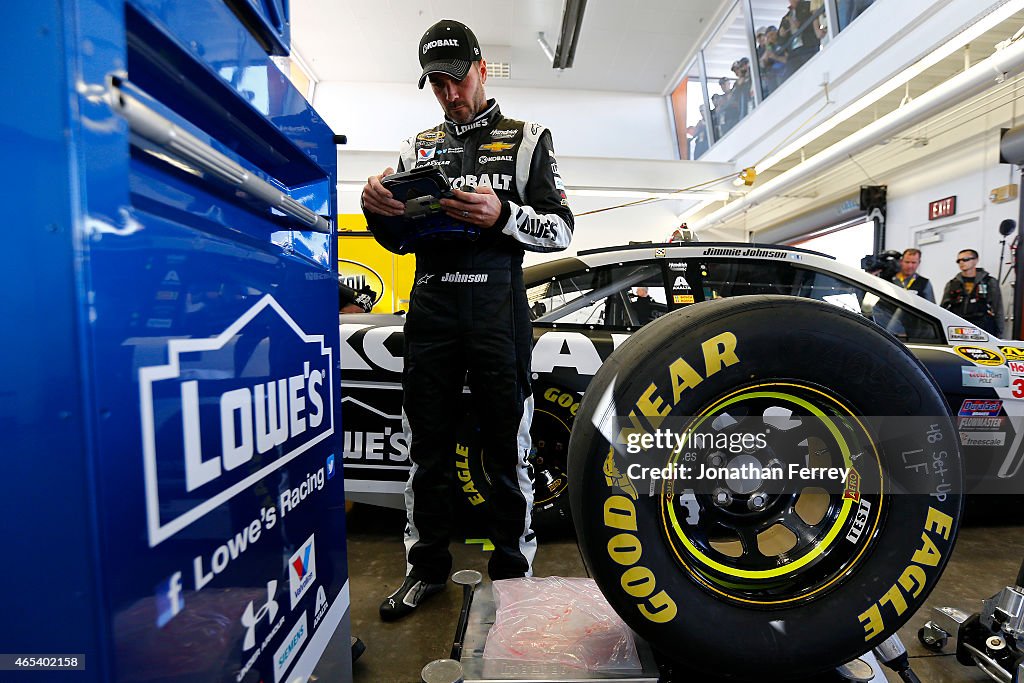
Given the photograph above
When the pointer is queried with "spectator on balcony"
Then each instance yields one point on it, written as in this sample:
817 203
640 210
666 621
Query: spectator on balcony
773 61
743 89
800 33
717 115
727 104
700 135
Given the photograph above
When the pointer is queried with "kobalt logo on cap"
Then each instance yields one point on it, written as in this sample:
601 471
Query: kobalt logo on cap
443 42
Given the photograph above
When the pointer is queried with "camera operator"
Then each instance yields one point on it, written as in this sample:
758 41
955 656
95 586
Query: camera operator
884 265
352 300
908 278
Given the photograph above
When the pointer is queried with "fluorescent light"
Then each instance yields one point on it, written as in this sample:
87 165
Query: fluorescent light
969 34
545 47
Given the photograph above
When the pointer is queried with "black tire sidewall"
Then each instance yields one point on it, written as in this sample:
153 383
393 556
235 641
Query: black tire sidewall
558 408
777 338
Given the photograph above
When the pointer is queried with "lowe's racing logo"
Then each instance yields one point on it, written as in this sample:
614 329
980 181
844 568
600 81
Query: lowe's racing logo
226 411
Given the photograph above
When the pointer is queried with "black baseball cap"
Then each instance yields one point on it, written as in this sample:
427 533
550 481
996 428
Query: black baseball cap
448 47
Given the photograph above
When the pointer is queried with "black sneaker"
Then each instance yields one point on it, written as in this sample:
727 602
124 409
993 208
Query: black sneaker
407 598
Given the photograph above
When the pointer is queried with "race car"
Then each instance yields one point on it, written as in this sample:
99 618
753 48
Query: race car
586 306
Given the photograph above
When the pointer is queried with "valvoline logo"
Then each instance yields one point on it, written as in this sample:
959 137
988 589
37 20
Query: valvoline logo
302 573
226 411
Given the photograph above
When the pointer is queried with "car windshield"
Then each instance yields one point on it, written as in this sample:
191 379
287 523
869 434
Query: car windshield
620 296
722 278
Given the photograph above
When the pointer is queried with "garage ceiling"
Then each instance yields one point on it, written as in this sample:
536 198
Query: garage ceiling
625 45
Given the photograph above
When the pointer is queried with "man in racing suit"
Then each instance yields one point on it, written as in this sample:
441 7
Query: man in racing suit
469 319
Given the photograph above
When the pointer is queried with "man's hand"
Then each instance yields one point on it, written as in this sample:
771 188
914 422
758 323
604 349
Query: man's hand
377 199
476 208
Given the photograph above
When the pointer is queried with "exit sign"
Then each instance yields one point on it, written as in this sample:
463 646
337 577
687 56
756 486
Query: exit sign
942 208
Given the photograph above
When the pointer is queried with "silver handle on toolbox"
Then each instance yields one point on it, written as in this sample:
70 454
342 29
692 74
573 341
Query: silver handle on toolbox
163 133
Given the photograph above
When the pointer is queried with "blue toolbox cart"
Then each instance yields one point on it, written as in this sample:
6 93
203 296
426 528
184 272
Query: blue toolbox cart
169 411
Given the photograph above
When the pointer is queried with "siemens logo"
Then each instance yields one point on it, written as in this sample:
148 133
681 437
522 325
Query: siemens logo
285 655
259 392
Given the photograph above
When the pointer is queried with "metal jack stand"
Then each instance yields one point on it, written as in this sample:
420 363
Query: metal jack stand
992 640
450 670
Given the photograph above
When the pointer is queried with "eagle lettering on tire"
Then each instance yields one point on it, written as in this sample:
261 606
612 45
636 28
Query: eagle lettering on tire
554 412
812 569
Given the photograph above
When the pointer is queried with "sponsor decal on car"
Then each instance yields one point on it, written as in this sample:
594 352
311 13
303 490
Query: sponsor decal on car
678 266
983 438
1012 352
973 407
660 253
980 424
986 377
1016 367
978 355
680 284
682 298
497 146
954 333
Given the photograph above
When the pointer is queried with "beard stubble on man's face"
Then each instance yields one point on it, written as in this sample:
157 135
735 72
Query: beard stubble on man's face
471 99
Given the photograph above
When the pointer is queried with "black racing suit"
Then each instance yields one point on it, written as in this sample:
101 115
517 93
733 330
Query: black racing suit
469 320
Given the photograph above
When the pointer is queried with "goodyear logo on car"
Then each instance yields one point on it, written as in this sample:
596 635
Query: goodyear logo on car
977 354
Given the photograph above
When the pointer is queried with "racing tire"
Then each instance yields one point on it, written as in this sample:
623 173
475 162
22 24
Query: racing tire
686 568
553 416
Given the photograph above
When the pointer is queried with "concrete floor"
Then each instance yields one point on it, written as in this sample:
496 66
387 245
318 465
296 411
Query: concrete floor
986 558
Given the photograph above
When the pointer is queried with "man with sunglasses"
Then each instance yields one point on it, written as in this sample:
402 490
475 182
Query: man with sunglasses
974 295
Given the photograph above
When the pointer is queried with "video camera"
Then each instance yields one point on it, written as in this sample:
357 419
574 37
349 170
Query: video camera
364 298
885 265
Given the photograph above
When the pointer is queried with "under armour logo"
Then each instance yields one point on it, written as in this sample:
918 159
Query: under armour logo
251 617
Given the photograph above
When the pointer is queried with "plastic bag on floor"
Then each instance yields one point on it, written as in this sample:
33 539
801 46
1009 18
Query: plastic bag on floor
558 620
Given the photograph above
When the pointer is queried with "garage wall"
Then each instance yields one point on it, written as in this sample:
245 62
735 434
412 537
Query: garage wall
970 174
376 116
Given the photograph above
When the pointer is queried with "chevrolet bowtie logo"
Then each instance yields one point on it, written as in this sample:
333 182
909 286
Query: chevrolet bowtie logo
496 146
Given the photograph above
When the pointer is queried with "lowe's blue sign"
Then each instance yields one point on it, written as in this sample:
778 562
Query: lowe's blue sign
170 413
215 417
